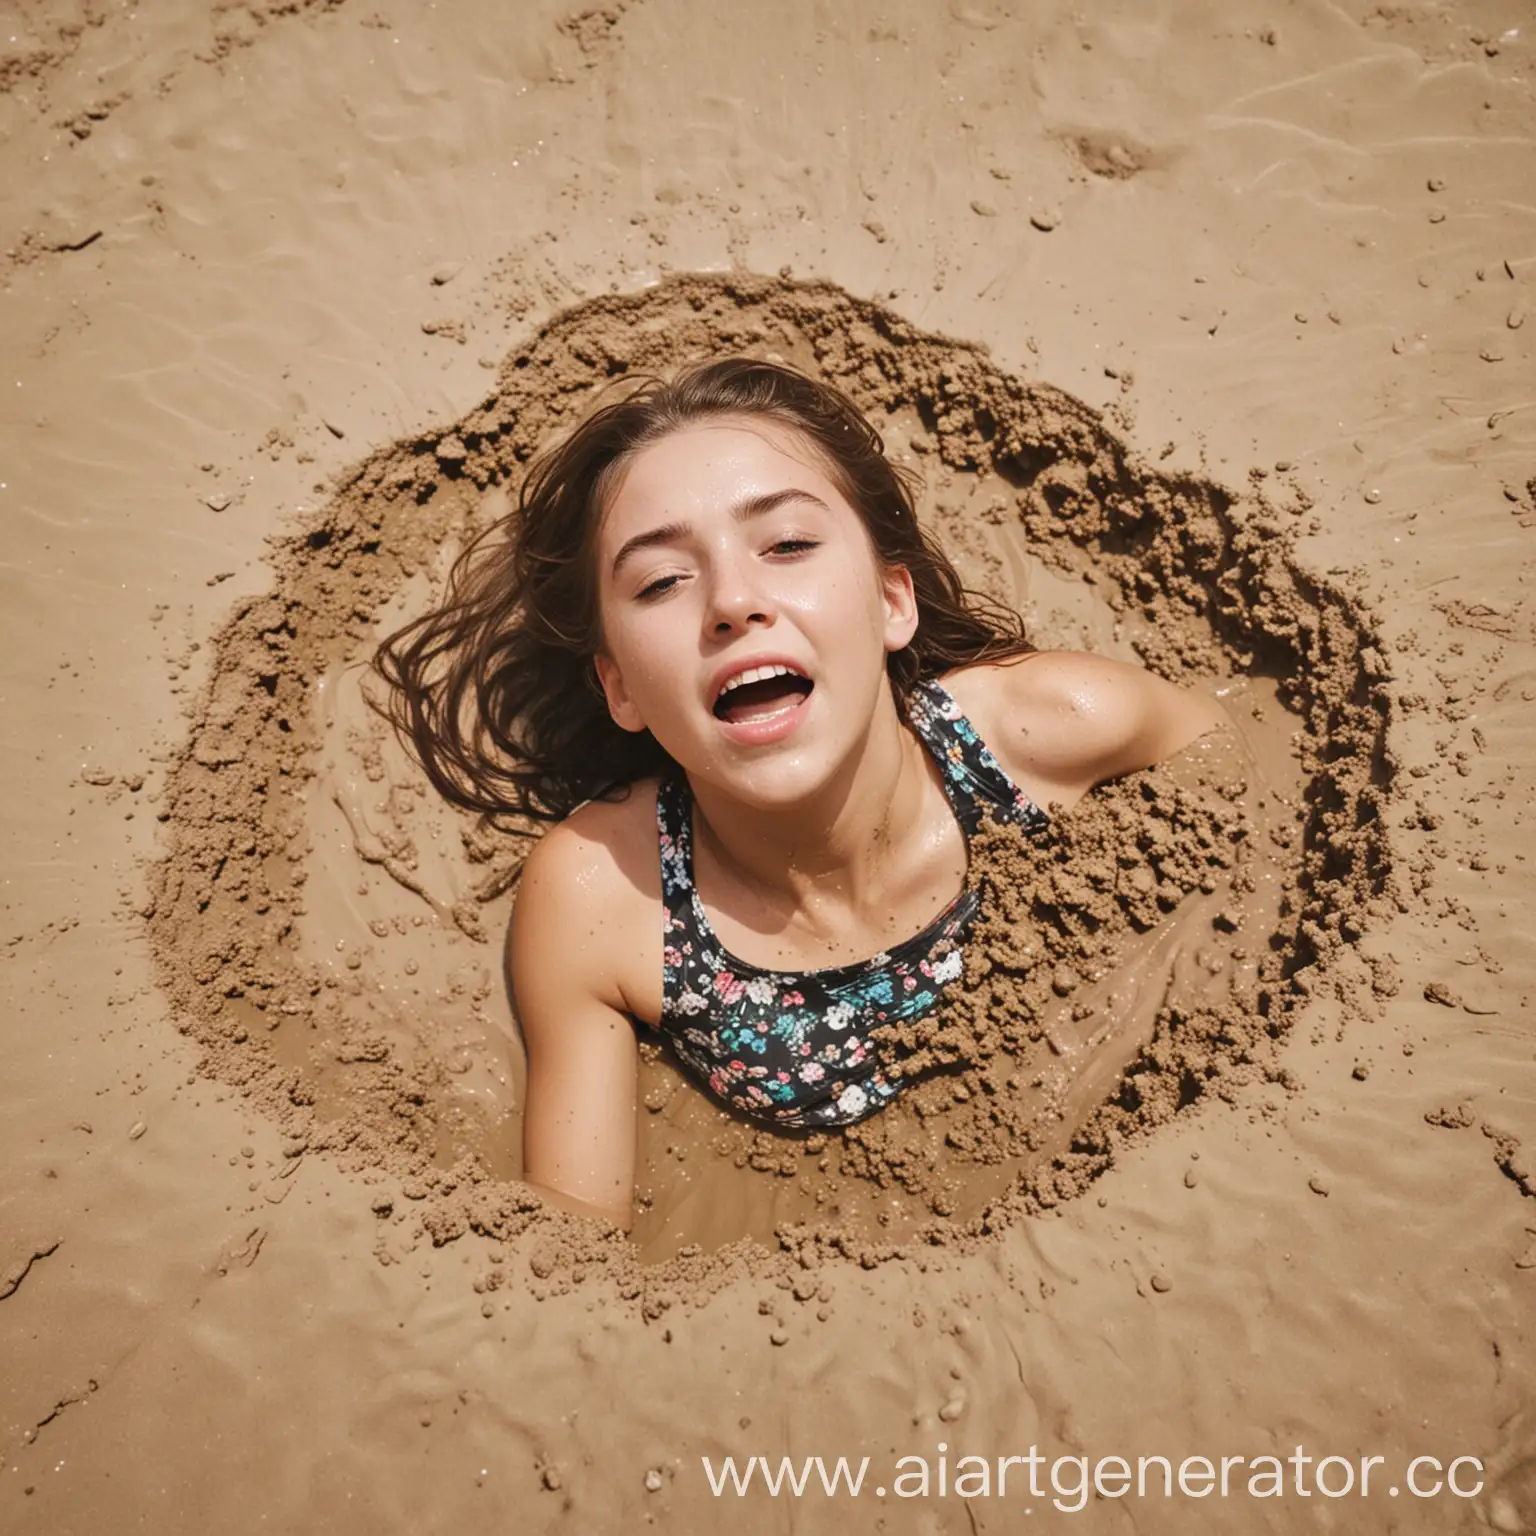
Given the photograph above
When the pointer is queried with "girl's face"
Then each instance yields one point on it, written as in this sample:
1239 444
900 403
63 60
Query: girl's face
745 614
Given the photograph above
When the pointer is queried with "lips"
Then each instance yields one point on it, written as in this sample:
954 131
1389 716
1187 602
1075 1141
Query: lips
750 676
758 730
758 699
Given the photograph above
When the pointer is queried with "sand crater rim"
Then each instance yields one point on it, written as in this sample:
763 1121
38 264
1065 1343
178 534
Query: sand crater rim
327 934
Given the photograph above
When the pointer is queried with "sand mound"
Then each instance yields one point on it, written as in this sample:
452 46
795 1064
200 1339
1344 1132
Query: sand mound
328 932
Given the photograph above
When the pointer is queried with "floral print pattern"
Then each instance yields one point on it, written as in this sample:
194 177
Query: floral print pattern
793 1048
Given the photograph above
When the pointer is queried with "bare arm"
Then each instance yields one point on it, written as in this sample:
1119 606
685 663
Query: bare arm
1071 720
579 1115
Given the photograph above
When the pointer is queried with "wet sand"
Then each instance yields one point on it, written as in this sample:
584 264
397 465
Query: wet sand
294 291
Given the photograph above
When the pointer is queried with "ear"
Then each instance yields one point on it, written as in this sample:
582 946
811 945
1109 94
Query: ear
900 606
620 706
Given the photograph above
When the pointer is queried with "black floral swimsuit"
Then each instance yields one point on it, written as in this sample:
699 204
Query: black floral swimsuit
791 1047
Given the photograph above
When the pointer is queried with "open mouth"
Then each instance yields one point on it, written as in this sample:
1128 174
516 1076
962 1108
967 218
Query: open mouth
760 694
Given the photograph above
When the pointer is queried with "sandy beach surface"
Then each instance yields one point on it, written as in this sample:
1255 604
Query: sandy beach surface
1209 331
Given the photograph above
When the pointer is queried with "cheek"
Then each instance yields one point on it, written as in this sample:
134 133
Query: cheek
844 607
644 652
853 599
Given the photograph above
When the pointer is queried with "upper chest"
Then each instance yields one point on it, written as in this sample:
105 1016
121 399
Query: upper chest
829 925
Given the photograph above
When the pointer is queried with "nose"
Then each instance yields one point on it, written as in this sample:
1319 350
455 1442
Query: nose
736 596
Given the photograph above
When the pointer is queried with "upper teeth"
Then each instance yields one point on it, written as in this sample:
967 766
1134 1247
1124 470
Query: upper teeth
757 674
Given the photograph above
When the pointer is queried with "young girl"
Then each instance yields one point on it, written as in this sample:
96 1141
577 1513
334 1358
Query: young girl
715 647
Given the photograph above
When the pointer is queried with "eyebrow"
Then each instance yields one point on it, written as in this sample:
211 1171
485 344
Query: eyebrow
747 507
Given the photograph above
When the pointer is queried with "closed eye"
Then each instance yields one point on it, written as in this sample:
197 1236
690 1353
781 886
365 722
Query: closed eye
657 587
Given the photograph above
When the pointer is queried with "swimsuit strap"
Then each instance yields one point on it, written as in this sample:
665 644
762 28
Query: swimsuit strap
674 831
973 778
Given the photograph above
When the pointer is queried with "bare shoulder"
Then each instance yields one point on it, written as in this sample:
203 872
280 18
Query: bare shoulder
587 912
1076 685
1062 721
1051 700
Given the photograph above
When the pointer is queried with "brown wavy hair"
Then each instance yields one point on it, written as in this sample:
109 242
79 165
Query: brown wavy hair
495 692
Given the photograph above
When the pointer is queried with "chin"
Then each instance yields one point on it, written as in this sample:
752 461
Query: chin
778 786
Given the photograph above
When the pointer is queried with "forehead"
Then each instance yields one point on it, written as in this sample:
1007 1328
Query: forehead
704 468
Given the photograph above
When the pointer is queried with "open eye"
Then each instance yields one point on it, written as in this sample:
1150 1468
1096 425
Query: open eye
793 546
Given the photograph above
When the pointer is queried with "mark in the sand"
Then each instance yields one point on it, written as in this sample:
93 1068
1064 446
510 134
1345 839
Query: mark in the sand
11 1280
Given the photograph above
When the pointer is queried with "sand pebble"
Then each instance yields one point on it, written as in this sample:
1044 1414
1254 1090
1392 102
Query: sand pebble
1435 184
653 1480
1515 319
218 501
331 427
985 209
446 273
552 1480
138 1130
952 1410
1360 1071
1492 354
1161 1284
778 1336
1191 1178
1316 1185
1373 496
1045 219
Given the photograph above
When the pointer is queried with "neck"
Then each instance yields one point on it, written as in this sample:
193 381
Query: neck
840 843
